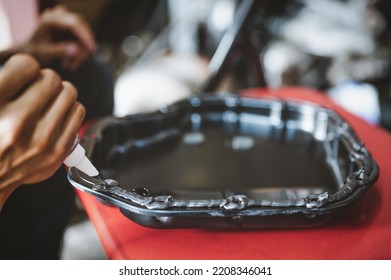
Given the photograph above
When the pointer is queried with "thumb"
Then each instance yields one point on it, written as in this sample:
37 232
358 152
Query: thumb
64 51
74 55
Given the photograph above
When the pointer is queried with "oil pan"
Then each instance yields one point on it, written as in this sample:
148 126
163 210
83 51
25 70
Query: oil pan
227 162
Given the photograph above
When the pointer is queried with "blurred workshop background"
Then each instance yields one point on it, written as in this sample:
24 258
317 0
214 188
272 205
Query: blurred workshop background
160 51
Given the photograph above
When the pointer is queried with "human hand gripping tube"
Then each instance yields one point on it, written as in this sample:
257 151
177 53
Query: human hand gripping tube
77 158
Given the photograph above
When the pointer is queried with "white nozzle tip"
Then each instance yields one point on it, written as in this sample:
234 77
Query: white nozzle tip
78 159
86 166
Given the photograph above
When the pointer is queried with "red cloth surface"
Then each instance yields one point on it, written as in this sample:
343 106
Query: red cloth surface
362 231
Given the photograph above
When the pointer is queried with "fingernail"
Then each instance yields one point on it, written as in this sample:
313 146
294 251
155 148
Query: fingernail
71 49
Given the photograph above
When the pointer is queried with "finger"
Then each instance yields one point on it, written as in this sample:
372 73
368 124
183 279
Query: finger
46 129
64 19
51 51
56 113
37 96
70 128
53 150
75 55
17 73
67 53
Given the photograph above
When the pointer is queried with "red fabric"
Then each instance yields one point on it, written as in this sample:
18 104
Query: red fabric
361 232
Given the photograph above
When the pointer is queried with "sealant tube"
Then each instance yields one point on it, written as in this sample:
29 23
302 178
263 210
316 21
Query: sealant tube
78 159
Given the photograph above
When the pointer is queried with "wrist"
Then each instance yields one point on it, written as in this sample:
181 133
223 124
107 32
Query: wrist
7 186
5 194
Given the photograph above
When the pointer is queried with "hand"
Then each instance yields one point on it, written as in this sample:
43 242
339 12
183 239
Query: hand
39 120
61 37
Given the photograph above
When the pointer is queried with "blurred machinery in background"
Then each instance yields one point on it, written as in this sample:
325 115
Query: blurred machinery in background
165 50
340 47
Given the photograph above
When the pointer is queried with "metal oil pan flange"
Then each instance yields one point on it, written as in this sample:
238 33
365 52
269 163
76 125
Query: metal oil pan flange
228 162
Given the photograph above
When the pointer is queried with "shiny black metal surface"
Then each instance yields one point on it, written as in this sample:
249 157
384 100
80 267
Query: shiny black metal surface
224 162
